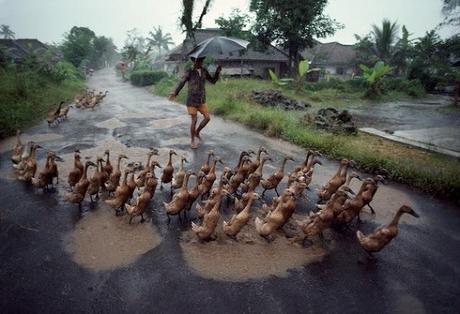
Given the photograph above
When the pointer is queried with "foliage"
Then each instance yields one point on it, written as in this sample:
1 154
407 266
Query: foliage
374 77
384 39
364 48
27 92
82 47
292 24
186 20
451 11
6 32
236 25
403 52
277 81
159 39
431 172
144 78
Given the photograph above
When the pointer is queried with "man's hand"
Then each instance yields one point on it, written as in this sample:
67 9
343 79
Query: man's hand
172 97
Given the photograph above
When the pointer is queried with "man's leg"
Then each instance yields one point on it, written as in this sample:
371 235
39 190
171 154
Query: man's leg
206 118
192 131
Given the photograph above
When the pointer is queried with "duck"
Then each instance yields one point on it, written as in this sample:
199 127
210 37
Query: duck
254 178
276 218
204 170
208 180
107 168
54 115
64 112
336 181
152 182
238 221
315 223
54 172
18 149
122 193
44 175
295 173
114 180
254 164
180 200
168 170
238 177
79 191
24 156
194 193
206 206
274 180
345 188
141 176
96 180
353 207
383 235
131 181
240 162
210 219
141 204
30 166
77 171
180 174
371 190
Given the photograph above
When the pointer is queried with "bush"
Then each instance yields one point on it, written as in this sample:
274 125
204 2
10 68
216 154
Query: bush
412 88
144 78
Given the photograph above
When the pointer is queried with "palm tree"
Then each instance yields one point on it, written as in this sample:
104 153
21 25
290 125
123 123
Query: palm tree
159 39
6 32
384 39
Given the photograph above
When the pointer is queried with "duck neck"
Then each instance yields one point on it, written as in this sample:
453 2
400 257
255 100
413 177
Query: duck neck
108 158
185 183
259 153
261 165
213 168
33 152
85 173
118 163
209 159
182 165
170 160
240 160
249 203
149 157
125 178
339 171
283 165
396 218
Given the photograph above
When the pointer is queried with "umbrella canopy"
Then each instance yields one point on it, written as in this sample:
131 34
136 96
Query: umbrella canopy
218 45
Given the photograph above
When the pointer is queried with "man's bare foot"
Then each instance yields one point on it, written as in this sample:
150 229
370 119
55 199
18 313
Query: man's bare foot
198 137
194 145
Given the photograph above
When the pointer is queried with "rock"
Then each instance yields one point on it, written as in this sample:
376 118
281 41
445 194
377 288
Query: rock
273 98
332 120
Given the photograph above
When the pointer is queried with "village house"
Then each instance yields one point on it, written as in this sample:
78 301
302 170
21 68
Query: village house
17 50
333 59
251 62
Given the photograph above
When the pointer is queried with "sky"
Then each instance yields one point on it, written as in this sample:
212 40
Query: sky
48 20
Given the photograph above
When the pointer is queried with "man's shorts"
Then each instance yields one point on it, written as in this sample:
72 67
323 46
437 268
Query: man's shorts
203 109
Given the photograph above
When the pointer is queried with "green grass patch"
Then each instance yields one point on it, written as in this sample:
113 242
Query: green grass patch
26 96
427 171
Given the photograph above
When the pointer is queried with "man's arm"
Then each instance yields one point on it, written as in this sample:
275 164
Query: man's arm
179 86
215 78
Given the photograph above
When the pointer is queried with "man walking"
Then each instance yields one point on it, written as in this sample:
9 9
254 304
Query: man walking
196 97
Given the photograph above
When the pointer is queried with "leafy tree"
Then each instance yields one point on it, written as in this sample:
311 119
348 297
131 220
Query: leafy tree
104 51
384 39
292 24
403 52
159 39
78 45
374 77
365 53
186 20
236 25
6 32
451 11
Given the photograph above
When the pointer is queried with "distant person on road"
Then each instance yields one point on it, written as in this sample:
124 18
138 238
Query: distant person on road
196 97
122 70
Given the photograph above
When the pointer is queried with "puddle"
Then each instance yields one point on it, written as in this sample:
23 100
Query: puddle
8 143
251 257
167 123
111 124
102 241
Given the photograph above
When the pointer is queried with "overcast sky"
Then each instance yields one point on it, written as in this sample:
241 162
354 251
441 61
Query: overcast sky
48 20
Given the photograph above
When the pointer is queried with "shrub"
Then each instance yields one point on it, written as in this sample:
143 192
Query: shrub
412 88
144 78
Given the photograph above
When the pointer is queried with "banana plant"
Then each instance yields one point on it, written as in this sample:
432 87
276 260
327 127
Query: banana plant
374 77
303 69
277 81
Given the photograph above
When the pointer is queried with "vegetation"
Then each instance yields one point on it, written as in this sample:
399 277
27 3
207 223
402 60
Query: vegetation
29 90
83 48
292 24
374 77
236 25
146 77
159 40
186 20
430 172
6 32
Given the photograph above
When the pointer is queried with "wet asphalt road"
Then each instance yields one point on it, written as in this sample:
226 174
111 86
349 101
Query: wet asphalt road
417 273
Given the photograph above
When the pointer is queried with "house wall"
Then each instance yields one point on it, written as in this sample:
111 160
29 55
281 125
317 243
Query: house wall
260 68
346 71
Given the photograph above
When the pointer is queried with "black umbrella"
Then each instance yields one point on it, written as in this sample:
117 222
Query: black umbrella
218 45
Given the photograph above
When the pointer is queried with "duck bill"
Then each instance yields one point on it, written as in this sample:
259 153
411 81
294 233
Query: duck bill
413 213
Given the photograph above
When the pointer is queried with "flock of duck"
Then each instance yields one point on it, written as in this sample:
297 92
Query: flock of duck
339 204
86 99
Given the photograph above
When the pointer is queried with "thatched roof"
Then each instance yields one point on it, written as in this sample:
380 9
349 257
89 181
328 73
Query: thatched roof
332 54
270 54
19 49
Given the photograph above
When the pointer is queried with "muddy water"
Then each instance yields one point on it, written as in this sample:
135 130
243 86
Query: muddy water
250 257
102 241
8 143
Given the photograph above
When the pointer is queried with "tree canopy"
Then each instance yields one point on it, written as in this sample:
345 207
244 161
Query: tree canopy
159 39
292 24
6 32
235 25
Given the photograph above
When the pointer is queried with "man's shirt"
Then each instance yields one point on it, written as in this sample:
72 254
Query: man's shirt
196 79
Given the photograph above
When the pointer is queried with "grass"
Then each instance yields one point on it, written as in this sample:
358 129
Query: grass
430 172
26 97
